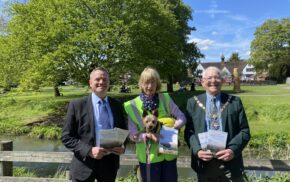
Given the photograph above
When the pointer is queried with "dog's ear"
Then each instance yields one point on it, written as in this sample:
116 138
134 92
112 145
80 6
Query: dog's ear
145 113
155 112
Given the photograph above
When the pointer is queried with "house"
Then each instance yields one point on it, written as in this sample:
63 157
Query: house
247 71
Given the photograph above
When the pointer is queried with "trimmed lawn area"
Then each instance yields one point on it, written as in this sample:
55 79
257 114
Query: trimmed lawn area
267 107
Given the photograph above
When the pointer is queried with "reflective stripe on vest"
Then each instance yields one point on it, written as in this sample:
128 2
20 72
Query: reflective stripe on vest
134 110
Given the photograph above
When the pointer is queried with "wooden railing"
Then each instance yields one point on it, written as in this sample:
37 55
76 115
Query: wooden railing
7 156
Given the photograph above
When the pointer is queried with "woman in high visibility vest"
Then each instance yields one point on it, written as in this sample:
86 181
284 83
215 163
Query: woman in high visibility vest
161 167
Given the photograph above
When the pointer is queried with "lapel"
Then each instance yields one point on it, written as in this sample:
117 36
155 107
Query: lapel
224 99
114 111
202 99
90 111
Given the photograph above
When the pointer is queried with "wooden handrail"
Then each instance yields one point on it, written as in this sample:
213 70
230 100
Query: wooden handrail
7 157
130 159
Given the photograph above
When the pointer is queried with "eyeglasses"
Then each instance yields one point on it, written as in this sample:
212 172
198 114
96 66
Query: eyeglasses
213 78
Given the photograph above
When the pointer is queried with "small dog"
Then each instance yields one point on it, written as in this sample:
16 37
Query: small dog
151 124
150 121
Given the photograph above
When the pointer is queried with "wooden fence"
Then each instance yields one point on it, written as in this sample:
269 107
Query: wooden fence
7 156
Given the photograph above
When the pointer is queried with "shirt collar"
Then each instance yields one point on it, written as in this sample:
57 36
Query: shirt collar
208 96
96 99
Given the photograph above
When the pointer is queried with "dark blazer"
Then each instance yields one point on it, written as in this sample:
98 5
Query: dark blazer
78 135
234 122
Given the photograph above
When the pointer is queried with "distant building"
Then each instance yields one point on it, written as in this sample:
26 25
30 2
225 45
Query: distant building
246 71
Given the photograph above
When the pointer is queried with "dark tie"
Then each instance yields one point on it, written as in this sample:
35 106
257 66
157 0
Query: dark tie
214 120
104 115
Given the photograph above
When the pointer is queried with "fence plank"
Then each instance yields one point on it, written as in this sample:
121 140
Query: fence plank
36 156
130 159
30 179
267 164
127 159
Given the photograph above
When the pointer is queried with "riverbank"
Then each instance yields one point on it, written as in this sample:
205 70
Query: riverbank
126 172
41 115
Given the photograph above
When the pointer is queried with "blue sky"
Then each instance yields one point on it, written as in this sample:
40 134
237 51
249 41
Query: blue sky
227 26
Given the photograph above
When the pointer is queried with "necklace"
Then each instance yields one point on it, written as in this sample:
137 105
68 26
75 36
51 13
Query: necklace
204 108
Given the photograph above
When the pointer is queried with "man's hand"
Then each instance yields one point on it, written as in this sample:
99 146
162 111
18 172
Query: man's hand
98 152
225 155
205 155
118 150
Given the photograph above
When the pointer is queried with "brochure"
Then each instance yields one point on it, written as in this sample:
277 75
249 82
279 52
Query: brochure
113 137
213 140
168 142
216 140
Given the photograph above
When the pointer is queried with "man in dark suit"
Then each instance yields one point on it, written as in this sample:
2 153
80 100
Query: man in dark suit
217 111
80 134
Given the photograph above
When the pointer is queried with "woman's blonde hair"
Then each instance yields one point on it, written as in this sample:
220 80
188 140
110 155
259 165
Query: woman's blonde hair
150 74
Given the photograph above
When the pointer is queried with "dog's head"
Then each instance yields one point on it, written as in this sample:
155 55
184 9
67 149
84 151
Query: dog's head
150 121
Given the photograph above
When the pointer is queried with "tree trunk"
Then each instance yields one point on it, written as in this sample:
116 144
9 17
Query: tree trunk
169 84
192 86
56 91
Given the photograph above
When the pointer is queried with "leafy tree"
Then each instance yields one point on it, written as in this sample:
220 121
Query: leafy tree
189 52
270 50
60 39
234 58
279 71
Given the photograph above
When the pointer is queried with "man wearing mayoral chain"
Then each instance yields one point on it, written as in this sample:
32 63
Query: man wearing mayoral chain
221 114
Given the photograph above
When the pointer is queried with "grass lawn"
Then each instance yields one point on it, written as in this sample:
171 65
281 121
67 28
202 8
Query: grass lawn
267 107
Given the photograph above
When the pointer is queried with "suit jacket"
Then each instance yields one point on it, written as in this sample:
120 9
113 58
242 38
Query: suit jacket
234 122
78 134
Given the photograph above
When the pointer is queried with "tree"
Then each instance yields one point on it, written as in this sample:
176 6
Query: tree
60 39
270 50
191 55
189 52
234 58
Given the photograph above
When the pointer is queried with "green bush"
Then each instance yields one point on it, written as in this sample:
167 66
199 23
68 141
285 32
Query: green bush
23 172
48 132
277 177
269 145
7 128
278 140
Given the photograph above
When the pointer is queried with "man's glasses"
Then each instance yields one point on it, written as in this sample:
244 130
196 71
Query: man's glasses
213 78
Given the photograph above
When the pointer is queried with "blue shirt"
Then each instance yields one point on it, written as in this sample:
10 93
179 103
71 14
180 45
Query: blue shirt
96 107
207 114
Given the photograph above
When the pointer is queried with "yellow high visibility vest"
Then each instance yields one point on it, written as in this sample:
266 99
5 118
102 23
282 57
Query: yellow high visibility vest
134 109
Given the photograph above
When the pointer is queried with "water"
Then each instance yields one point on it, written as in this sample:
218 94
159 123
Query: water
24 143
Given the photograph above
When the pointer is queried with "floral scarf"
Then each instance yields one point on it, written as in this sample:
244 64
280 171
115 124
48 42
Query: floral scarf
150 103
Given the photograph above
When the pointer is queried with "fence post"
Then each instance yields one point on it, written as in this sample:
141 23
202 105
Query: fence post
6 168
67 175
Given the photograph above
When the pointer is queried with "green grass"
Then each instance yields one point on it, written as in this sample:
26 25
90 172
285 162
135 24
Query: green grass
60 174
268 114
23 172
19 108
267 107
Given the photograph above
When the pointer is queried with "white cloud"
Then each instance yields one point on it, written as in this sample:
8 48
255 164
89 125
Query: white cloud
213 49
238 17
213 4
213 10
203 44
214 33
